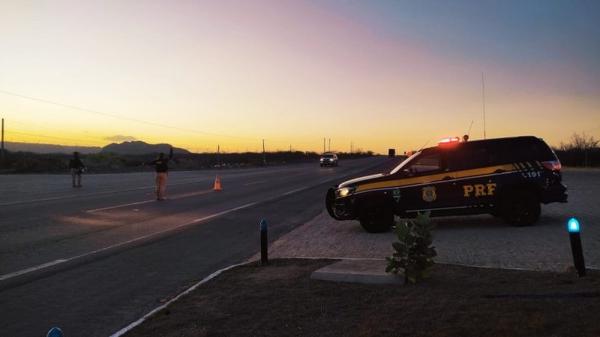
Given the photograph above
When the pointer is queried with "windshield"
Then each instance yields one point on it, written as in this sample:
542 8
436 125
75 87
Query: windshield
406 161
327 156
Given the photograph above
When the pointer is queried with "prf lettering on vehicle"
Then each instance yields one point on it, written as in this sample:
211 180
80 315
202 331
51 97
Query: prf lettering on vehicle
479 190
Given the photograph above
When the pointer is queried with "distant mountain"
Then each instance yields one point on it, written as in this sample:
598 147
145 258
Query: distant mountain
139 148
49 148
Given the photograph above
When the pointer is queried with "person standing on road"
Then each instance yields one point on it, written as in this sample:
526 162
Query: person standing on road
161 165
76 166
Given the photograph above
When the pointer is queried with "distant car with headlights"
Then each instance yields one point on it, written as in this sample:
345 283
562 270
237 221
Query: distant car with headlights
506 177
328 159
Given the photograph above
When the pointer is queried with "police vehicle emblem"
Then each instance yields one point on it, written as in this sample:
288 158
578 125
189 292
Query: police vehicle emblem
429 194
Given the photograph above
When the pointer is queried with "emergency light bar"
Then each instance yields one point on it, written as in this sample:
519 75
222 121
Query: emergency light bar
448 141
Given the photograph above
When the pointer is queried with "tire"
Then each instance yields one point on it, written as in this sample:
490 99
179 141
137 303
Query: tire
376 218
521 208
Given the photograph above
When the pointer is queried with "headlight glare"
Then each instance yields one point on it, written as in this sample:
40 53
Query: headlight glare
344 191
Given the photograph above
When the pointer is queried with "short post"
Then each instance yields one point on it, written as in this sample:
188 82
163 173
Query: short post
575 238
55 332
264 243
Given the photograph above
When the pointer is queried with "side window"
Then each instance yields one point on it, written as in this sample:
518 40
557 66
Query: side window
468 157
426 163
531 149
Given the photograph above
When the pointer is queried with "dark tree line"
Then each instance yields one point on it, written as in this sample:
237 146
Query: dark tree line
27 162
580 150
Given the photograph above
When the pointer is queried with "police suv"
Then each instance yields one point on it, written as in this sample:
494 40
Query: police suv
506 177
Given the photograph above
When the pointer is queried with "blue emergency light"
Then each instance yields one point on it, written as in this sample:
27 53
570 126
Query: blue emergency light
573 225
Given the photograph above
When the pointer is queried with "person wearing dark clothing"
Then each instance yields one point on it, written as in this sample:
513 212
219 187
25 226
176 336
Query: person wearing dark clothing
76 166
161 166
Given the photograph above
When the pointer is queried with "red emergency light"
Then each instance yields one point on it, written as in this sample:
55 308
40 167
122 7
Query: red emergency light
449 141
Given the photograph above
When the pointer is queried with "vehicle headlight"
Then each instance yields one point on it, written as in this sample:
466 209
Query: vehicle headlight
344 191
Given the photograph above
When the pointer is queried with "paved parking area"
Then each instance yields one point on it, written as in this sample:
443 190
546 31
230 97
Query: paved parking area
474 240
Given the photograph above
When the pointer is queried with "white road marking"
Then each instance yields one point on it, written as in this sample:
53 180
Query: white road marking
119 206
255 183
75 196
162 306
175 197
208 217
31 269
120 244
295 191
185 182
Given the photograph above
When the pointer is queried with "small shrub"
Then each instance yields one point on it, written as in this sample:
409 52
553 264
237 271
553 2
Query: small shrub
414 252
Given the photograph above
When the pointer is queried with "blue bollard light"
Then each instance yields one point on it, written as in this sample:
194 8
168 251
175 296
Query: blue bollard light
55 332
574 228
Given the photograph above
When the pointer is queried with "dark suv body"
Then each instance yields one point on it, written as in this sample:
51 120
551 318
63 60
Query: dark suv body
328 159
507 177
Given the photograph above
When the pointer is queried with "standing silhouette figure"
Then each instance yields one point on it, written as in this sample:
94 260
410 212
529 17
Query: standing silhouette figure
77 168
161 166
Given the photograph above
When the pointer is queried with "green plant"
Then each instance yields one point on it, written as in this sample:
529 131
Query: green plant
414 252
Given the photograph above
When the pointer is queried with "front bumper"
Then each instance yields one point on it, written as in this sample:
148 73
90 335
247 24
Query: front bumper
339 209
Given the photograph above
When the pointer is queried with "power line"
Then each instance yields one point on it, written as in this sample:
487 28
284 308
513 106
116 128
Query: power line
112 115
42 136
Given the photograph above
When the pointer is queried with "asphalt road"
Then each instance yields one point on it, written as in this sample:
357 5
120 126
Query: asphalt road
92 260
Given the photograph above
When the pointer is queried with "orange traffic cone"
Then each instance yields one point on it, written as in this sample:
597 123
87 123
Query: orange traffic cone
217 186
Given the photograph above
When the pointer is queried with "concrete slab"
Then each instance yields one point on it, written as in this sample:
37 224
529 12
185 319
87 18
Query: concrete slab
357 271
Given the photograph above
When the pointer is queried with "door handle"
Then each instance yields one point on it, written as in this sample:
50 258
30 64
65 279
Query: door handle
447 178
499 171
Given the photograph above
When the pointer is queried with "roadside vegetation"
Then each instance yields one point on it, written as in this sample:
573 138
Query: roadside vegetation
580 150
103 162
413 252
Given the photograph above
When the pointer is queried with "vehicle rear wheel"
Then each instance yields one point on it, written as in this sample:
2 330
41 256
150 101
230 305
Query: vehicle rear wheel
376 218
521 208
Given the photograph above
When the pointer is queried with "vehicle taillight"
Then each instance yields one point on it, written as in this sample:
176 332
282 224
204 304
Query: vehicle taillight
552 165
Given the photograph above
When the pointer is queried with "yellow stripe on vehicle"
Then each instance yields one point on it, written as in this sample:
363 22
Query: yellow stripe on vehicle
435 177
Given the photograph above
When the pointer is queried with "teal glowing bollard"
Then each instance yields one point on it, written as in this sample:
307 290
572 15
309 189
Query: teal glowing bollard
573 228
55 332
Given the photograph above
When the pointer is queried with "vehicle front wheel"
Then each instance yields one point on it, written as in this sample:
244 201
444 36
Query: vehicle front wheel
376 219
521 208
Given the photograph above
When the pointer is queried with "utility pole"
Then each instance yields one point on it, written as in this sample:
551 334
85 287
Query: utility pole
351 147
264 155
329 147
219 155
2 148
324 149
483 101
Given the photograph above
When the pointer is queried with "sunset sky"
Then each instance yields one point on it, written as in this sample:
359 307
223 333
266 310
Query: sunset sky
377 74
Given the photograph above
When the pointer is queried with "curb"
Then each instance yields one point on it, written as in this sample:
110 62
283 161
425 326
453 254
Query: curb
136 323
185 292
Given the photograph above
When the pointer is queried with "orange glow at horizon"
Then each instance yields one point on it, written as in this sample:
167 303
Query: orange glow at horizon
199 75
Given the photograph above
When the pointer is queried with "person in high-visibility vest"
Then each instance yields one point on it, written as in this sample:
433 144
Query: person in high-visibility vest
161 165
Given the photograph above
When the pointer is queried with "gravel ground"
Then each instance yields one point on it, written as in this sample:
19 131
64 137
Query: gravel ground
474 240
